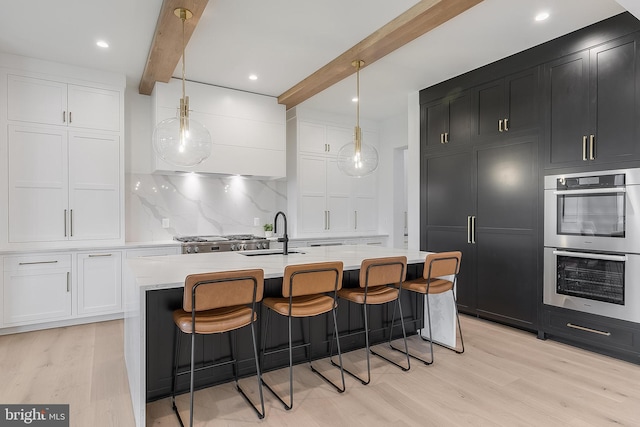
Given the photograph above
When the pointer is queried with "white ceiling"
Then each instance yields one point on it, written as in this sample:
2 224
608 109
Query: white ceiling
283 41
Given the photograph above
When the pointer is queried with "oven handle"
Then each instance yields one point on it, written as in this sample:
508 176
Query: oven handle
592 191
603 257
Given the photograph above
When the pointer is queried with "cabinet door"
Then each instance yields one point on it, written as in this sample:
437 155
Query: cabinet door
451 116
337 137
339 213
92 108
36 100
313 213
459 120
99 283
615 84
433 117
311 137
312 171
365 214
520 93
489 108
36 295
506 232
567 121
450 203
94 184
38 187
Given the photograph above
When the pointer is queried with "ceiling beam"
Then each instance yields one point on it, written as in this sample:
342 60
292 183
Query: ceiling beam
416 21
166 47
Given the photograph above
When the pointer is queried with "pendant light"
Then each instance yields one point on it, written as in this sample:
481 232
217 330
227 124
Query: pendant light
356 158
181 140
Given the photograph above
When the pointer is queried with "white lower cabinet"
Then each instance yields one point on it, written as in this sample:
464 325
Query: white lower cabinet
99 282
37 288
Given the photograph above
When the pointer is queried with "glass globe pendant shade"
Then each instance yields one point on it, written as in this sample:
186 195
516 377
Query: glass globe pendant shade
356 158
182 145
181 140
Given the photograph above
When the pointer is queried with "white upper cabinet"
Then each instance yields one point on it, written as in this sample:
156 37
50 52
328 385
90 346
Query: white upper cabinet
247 130
33 100
323 201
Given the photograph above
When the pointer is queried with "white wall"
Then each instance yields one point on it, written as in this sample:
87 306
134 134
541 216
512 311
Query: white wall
393 140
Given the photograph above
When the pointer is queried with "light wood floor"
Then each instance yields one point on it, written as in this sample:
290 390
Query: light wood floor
505 378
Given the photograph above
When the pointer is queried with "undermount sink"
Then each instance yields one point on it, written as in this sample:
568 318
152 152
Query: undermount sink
263 252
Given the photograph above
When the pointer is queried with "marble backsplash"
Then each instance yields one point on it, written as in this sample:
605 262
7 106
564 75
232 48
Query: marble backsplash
198 205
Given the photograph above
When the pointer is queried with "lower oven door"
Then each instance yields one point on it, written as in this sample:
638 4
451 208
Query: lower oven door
598 283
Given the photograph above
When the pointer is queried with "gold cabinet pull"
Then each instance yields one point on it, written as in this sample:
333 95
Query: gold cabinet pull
442 138
592 144
584 147
468 229
500 125
506 125
594 331
446 137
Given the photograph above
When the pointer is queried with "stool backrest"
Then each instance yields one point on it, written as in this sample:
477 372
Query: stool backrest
310 279
223 289
383 271
442 264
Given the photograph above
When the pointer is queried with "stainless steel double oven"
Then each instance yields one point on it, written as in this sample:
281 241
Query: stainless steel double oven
592 242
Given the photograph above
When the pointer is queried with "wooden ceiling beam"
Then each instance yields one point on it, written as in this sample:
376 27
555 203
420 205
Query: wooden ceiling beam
416 21
166 47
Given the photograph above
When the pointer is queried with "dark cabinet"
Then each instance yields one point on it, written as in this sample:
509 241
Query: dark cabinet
592 98
506 105
483 201
447 120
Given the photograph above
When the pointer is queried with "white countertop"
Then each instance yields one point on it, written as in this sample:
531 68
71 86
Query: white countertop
170 270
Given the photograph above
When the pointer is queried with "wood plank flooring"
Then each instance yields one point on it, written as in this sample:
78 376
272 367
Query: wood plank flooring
506 377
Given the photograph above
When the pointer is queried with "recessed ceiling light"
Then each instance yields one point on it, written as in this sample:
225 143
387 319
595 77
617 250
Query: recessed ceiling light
354 99
102 43
542 16
253 77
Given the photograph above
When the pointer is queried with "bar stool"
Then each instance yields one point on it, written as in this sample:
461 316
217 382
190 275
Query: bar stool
380 280
215 303
307 290
436 267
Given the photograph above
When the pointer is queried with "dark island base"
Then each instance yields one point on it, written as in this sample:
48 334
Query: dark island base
161 333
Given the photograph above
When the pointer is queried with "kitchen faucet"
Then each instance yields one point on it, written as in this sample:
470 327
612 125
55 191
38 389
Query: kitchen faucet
285 238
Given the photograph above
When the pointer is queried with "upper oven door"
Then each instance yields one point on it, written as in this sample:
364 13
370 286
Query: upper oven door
599 218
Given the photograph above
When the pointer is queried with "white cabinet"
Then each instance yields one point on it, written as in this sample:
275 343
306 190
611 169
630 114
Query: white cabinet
36 288
62 142
324 196
63 185
322 199
99 282
49 102
247 130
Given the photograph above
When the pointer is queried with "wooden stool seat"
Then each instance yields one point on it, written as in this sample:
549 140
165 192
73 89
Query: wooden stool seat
215 321
301 306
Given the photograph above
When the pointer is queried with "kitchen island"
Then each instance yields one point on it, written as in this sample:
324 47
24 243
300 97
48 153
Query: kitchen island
154 286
